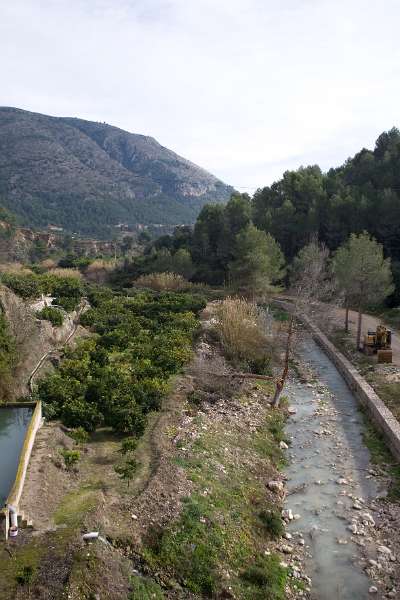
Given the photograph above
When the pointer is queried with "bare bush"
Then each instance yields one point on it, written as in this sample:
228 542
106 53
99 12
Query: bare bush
245 333
211 379
163 281
99 270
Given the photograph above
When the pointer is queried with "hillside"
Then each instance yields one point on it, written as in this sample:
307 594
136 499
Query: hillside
87 176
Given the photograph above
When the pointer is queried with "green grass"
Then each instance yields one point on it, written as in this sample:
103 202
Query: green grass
220 529
266 578
380 455
76 505
272 522
145 589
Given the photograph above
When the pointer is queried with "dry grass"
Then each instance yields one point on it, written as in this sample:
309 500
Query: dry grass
73 273
15 267
48 264
99 270
244 331
163 281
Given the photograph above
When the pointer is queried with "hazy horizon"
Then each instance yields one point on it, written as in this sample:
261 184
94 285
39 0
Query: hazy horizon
245 89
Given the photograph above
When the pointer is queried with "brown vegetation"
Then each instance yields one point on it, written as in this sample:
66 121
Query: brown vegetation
163 281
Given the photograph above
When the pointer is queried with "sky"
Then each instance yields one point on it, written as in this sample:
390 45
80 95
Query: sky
245 88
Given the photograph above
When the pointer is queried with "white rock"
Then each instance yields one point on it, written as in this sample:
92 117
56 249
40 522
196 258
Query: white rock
367 518
134 517
283 445
287 514
342 481
384 550
275 486
373 589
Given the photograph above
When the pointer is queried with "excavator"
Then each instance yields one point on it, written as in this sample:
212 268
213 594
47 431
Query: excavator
379 342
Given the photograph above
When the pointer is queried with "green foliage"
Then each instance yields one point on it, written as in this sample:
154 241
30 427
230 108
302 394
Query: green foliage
48 313
145 589
120 374
126 470
268 578
26 286
128 445
363 274
8 356
71 457
194 547
225 246
25 575
79 435
272 523
32 285
257 261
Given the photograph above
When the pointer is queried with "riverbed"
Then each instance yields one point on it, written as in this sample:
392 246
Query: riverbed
13 426
329 479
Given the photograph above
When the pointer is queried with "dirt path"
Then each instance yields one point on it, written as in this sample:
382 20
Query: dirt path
368 322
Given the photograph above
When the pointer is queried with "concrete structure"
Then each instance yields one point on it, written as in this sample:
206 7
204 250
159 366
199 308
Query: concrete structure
378 412
11 510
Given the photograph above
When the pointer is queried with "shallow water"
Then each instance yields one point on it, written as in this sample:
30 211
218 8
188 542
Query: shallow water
326 444
13 426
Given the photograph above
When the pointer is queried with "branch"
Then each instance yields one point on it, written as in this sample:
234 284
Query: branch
243 375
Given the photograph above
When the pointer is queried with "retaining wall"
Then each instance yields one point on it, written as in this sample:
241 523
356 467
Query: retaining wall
378 412
16 491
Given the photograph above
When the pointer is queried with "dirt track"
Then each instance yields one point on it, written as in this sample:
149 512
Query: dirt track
368 322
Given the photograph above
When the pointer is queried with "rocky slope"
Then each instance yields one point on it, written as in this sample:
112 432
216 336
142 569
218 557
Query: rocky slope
87 176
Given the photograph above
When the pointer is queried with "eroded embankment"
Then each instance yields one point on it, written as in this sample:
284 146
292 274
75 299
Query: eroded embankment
198 519
335 489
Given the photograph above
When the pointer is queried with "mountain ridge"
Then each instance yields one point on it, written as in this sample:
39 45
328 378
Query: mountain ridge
87 176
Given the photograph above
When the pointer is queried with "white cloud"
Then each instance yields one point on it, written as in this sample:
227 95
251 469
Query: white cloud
245 88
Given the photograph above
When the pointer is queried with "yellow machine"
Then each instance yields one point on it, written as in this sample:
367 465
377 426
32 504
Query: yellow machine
379 342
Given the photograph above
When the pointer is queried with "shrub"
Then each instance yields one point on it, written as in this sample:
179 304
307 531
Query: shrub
272 522
76 412
126 470
48 313
243 331
71 457
163 281
79 435
68 304
128 445
25 575
268 575
26 285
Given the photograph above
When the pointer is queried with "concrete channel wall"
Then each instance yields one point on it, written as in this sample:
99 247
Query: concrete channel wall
379 414
14 497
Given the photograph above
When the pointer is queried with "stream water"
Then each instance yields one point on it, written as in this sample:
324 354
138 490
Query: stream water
13 425
328 474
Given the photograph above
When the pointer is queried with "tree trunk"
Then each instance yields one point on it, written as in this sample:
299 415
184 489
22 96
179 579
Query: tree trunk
281 382
346 320
359 329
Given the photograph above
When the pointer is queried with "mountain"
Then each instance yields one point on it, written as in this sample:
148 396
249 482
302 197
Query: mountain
87 177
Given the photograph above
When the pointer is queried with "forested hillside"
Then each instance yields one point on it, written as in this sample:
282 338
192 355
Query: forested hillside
363 194
230 243
88 177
